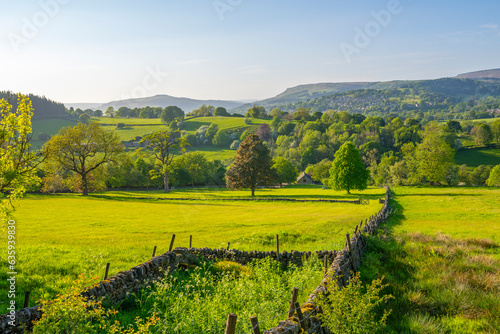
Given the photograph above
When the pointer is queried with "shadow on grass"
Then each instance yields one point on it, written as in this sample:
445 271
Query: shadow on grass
383 259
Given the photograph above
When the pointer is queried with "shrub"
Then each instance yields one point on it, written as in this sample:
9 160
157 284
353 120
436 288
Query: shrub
248 121
72 313
352 310
120 125
235 144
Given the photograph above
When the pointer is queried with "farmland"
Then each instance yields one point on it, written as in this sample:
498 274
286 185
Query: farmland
440 254
76 235
476 157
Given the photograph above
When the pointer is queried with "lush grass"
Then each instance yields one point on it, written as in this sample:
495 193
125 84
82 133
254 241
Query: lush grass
199 300
476 157
127 121
440 255
48 126
59 237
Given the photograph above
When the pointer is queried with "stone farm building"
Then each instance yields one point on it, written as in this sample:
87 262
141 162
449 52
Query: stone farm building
305 178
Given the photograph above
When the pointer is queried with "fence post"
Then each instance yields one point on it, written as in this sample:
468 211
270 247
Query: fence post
302 323
349 247
295 294
190 241
171 243
255 325
26 299
228 244
231 323
107 271
277 248
325 263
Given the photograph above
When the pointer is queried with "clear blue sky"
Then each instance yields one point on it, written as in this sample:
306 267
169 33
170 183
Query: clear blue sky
98 51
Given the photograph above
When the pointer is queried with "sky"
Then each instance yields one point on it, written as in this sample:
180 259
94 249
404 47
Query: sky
99 51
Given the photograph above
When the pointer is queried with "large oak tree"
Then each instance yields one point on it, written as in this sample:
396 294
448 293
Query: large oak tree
82 149
252 166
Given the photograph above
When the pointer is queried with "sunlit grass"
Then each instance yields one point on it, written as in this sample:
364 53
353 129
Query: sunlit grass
61 236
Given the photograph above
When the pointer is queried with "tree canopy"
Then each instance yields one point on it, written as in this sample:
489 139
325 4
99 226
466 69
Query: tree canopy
252 166
163 144
82 149
17 163
348 170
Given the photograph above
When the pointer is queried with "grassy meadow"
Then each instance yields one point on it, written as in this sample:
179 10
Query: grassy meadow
440 255
476 157
61 236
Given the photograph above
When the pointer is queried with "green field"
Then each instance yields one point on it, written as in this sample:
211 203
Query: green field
48 126
440 255
476 157
61 236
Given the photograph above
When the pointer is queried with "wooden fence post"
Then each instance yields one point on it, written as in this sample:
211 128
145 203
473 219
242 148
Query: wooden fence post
255 325
295 294
171 243
26 299
302 323
277 248
190 241
107 271
349 247
231 323
154 252
228 244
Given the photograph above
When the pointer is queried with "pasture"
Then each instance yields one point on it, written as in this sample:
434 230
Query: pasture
440 254
476 157
61 236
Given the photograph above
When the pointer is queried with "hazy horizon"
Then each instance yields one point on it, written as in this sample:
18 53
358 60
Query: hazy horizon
92 52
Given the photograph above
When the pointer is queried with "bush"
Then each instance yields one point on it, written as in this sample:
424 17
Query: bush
235 145
72 313
248 121
352 310
120 125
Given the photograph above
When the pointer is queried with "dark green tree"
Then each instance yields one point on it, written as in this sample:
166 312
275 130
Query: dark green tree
221 111
348 170
252 166
256 112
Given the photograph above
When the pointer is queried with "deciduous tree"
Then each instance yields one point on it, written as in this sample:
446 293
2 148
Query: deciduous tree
82 149
348 170
17 163
163 144
252 166
287 172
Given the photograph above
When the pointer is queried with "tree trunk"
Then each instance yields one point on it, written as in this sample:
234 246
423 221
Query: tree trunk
253 191
85 185
165 180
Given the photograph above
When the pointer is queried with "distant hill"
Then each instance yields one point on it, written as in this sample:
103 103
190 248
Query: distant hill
42 107
487 75
464 85
163 101
304 92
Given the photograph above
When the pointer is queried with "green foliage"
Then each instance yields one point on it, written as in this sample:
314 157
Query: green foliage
221 111
252 166
256 112
17 163
72 313
82 149
211 131
171 113
352 309
348 170
483 134
287 172
320 172
199 300
494 178
434 155
221 139
164 144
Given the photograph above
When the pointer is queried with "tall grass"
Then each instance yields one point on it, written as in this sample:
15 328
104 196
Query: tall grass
199 300
442 282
